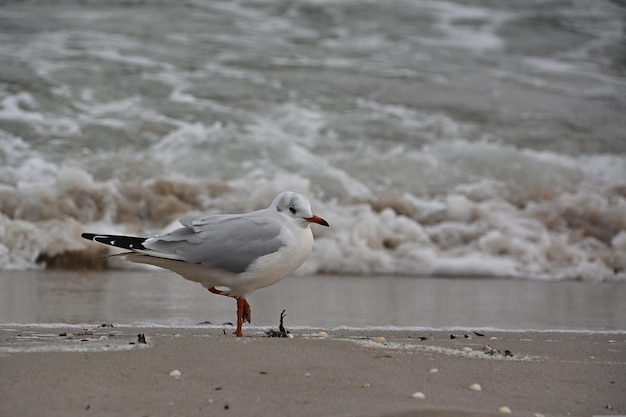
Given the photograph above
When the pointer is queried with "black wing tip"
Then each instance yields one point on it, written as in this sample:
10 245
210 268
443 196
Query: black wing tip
119 241
88 236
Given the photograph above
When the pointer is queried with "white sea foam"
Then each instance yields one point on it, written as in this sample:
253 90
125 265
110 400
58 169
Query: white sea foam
568 235
453 19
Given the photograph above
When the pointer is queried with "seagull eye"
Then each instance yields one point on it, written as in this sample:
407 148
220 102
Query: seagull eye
292 209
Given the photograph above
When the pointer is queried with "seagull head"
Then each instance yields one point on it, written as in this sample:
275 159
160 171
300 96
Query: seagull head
297 207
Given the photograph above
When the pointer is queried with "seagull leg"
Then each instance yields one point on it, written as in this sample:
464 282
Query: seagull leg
243 310
240 314
243 314
246 311
216 291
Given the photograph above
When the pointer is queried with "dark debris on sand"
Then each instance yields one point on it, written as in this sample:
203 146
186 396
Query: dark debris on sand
281 329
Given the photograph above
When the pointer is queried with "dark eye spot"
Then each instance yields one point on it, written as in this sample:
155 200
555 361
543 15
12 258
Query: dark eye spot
292 209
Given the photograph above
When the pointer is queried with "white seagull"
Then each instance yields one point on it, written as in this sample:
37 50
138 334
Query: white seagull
231 254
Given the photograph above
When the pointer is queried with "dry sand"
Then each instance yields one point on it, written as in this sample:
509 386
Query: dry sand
344 373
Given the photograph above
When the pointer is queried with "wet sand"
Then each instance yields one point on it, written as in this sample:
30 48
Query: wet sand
341 373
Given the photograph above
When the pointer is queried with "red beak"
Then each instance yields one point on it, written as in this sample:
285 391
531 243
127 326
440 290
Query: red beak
318 220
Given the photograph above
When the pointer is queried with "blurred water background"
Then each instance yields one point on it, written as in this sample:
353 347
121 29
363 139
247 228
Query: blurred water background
452 138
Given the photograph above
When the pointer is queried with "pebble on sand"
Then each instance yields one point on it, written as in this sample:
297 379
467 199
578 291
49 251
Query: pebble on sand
475 387
467 349
504 410
176 373
433 371
418 395
379 339
487 348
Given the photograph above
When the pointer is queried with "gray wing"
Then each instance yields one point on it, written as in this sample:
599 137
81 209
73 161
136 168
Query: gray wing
227 242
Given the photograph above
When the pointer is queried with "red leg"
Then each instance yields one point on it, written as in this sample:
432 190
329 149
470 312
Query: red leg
246 311
243 310
216 291
240 313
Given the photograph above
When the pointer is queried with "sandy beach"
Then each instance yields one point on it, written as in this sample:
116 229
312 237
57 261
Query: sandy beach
361 346
104 371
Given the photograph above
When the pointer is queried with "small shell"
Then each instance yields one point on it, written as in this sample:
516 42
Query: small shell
379 339
366 385
307 374
504 410
418 395
489 350
475 387
176 373
493 338
433 371
467 349
323 333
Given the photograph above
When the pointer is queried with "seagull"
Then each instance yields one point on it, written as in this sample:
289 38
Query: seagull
230 254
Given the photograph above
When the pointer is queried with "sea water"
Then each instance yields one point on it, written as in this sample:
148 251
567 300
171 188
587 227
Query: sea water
61 299
436 137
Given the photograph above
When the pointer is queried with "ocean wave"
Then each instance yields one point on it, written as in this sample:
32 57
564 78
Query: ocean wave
467 232
437 138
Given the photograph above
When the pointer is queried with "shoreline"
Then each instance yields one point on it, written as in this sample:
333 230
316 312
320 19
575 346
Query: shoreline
367 372
257 330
